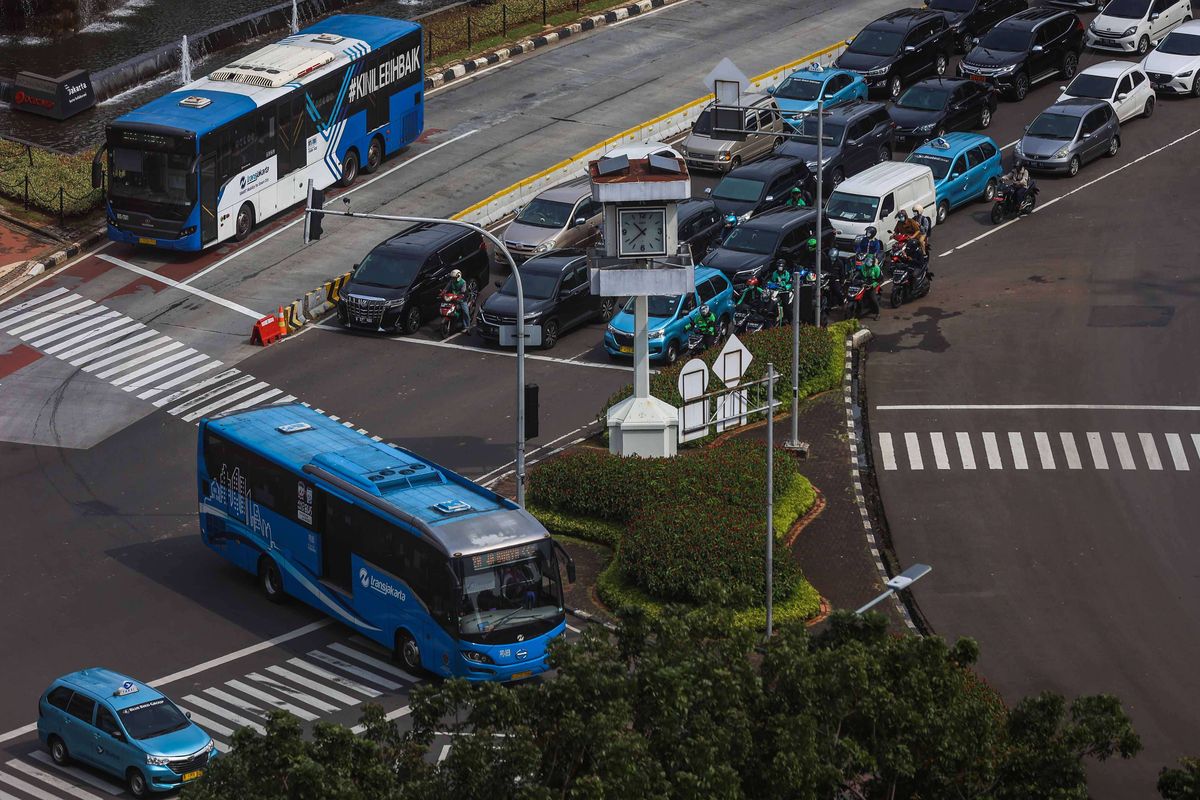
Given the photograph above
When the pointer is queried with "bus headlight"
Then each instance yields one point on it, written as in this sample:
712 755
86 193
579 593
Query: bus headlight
477 657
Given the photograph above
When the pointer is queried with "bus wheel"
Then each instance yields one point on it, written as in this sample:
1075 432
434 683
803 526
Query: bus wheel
374 155
270 579
408 652
349 168
245 222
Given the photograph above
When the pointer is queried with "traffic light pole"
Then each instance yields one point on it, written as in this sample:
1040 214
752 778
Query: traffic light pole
500 248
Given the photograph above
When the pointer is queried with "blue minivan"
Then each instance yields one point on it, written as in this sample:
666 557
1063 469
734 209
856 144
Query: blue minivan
110 721
669 317
966 167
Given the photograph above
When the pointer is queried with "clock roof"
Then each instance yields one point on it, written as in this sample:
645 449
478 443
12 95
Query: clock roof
640 181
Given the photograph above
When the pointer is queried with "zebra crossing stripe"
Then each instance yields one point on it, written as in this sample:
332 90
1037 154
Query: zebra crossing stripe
1017 445
1096 445
62 301
267 697
209 725
28 304
121 352
1150 449
336 679
1044 452
992 449
965 452
295 694
224 401
182 393
913 444
168 368
1124 454
224 713
152 368
40 337
145 333
887 451
315 686
51 780
89 335
1178 454
371 661
78 774
350 669
941 458
167 346
1068 444
211 393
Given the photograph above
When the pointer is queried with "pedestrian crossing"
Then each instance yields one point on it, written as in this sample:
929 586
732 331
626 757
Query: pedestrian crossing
332 679
1043 451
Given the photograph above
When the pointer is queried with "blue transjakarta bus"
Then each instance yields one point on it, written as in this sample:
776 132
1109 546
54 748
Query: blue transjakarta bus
454 578
205 163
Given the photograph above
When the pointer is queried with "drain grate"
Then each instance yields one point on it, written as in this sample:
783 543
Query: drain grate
1130 316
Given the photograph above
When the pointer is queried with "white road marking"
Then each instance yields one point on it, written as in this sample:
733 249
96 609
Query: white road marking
65 325
1072 452
315 686
1178 454
34 791
345 683
1096 445
443 755
390 669
1196 442
123 351
158 348
992 449
126 338
174 284
224 713
162 387
59 318
1017 445
42 757
270 699
51 780
887 451
1124 455
1151 451
295 694
965 451
221 402
507 354
118 321
188 356
1036 407
36 313
552 442
28 304
940 457
184 392
210 727
357 672
1045 453
253 401
403 711
913 444
211 393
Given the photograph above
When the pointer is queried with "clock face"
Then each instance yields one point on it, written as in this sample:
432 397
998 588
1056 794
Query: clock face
643 232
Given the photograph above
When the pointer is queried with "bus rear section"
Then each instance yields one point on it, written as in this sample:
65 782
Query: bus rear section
208 162
453 578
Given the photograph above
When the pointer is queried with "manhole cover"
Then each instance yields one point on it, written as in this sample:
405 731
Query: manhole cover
1130 316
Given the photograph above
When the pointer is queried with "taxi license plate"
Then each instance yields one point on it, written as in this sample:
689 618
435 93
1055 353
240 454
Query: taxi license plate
144 240
520 676
625 349
191 776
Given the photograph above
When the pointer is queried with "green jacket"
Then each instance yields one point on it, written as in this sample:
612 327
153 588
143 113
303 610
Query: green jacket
754 294
871 272
784 279
704 324
458 286
796 201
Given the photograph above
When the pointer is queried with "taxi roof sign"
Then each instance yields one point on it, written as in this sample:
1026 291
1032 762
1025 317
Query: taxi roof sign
939 143
128 687
815 67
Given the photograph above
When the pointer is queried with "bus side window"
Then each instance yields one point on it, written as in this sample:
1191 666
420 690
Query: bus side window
266 135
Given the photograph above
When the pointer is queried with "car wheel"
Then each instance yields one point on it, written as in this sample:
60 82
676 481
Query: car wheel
836 177
735 162
408 652
1143 46
137 783
985 117
608 307
59 752
374 155
349 169
885 154
412 319
1148 111
964 42
723 328
672 354
549 334
244 223
989 191
1020 87
270 580
1070 65
894 86
1114 144
943 210
1073 165
939 66
1196 86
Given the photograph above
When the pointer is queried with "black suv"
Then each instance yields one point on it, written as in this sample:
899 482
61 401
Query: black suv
899 48
397 286
1028 47
934 106
970 19
751 248
700 224
857 135
754 188
558 296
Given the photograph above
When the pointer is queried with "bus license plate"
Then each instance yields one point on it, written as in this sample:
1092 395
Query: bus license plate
625 349
520 676
144 240
191 776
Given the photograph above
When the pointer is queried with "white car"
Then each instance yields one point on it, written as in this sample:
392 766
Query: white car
1132 26
1173 67
1122 83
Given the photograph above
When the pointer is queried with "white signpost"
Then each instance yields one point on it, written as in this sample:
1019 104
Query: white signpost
693 417
732 408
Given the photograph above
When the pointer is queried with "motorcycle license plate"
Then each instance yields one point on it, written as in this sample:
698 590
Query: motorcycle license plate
626 349
191 776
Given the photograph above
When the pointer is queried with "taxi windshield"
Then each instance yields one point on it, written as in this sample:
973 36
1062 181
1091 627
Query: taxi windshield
152 718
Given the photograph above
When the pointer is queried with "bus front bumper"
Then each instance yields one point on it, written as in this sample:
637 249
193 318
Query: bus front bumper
187 241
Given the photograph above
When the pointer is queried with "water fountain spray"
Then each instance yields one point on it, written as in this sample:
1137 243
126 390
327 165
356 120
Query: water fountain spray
185 62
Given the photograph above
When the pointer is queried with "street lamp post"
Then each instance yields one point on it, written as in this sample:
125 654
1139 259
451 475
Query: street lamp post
499 245
794 442
902 581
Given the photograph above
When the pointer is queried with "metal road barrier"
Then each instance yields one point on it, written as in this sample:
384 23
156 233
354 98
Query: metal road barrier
309 307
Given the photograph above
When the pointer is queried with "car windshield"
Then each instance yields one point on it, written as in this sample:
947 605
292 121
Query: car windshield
1053 126
794 88
1097 86
545 213
873 42
751 240
1180 44
923 98
952 5
388 267
659 305
152 718
1127 9
509 588
851 207
1009 40
807 132
537 285
939 164
744 190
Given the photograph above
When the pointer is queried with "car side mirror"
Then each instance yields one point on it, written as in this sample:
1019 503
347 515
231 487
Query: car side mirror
580 220
974 41
910 48
120 737
354 268
1122 96
1037 48
770 197
1062 88
771 90
1154 16
97 175
1086 136
708 190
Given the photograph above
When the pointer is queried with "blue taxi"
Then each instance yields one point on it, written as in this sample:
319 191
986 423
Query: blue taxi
128 729
669 318
798 93
966 167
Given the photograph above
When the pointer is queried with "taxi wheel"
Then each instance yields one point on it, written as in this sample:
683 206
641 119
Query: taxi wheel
940 66
989 191
943 210
270 580
672 354
59 752
137 783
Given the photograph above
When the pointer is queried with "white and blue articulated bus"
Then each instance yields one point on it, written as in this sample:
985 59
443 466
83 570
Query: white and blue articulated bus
453 578
203 164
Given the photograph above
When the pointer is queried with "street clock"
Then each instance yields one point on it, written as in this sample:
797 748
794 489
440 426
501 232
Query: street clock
643 232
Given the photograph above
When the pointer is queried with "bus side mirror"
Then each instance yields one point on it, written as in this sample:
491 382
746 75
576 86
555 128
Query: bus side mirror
570 570
97 175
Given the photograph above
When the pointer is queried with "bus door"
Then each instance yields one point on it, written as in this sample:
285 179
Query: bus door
208 199
291 152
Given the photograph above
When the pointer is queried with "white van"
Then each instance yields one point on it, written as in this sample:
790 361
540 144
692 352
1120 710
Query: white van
872 198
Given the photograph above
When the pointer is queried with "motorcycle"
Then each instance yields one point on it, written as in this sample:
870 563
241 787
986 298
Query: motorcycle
754 318
855 296
905 258
1004 204
450 310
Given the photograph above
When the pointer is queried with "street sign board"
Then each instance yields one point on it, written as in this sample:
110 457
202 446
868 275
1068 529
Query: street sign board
508 335
693 416
732 361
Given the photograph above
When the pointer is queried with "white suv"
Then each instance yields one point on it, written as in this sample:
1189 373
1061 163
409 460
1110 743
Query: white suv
1173 67
1122 83
1132 26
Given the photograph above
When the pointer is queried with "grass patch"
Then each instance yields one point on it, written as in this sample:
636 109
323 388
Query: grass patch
47 172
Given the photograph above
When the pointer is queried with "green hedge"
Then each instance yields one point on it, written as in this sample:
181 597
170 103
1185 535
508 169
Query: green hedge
48 171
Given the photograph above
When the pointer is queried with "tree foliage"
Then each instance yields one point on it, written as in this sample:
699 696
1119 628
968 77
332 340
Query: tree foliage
687 708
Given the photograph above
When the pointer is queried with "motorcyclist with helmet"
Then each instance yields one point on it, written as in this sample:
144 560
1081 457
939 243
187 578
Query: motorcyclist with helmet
871 275
909 227
796 198
869 246
731 222
705 323
1018 179
759 300
456 285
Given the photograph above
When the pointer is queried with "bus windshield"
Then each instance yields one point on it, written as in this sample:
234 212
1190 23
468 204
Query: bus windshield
513 588
152 181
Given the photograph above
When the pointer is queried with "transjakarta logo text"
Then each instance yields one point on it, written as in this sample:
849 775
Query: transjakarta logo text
388 72
369 581
246 180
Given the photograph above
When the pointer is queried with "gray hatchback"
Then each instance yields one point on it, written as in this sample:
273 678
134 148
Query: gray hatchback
1069 134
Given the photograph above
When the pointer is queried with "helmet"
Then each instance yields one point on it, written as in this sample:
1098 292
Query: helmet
901 216
918 210
731 219
704 308
780 263
871 232
456 273
812 243
797 190
752 282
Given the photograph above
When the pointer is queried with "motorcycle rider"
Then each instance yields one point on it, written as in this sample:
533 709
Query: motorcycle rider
871 275
918 213
911 228
456 285
760 301
705 323
869 246
1018 179
796 198
781 276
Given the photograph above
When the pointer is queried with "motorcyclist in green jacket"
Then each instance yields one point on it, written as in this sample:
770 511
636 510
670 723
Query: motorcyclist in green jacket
705 323
872 275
